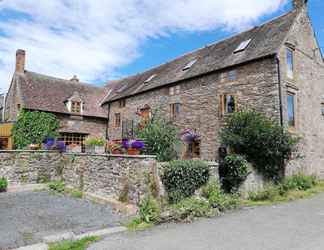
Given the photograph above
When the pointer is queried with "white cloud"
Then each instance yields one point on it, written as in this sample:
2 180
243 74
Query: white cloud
93 38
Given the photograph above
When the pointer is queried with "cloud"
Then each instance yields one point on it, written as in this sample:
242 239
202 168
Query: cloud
94 38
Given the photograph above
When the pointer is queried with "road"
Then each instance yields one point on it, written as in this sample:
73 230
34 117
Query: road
291 226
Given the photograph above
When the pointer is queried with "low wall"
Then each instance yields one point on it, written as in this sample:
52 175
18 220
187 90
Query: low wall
103 175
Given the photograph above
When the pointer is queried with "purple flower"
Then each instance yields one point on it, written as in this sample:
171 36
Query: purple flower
189 136
125 143
138 144
60 145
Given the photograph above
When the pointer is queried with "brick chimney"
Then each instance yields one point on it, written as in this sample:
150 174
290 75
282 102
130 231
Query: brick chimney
298 4
20 61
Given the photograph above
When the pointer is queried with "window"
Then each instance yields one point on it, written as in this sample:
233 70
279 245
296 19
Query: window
228 104
175 110
117 120
73 139
291 109
127 129
150 78
189 65
75 107
232 75
290 63
175 90
194 150
18 107
122 103
242 46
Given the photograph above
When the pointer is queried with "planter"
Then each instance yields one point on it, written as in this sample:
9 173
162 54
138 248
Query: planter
116 152
133 151
34 146
74 148
93 149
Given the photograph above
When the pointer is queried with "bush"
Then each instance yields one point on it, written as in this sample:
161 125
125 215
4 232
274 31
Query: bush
149 210
192 207
218 199
270 192
182 178
160 137
263 141
57 186
34 127
233 172
94 141
3 184
299 182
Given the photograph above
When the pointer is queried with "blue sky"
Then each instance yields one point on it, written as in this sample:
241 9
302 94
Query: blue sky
101 40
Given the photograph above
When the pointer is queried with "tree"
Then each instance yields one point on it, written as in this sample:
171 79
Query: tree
160 137
263 142
34 127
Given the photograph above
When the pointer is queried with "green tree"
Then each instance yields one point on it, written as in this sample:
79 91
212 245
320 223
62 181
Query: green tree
160 137
264 142
34 127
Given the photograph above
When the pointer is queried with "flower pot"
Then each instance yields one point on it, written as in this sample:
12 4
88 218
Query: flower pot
34 146
116 152
133 151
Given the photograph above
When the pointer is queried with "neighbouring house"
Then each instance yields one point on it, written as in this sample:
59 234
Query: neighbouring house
276 68
75 104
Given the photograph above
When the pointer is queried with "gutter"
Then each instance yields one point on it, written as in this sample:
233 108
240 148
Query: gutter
280 91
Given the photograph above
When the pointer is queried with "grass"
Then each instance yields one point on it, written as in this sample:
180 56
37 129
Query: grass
137 224
74 245
58 187
290 195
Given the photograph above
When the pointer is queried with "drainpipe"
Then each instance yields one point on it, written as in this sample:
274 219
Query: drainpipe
107 128
280 90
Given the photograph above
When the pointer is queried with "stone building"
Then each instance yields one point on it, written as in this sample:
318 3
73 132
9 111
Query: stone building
276 68
76 105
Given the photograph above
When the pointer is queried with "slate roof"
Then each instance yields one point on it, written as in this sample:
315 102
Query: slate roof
41 92
265 41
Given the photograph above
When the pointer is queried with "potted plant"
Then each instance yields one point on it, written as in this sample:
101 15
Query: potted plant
189 136
115 148
74 148
133 147
95 145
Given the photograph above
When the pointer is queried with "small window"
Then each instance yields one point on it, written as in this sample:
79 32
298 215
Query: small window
194 150
243 46
291 109
18 107
189 65
122 103
232 75
175 109
117 120
76 107
228 104
150 78
290 63
122 88
175 90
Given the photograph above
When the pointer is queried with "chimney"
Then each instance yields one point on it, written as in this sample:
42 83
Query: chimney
20 61
75 79
298 4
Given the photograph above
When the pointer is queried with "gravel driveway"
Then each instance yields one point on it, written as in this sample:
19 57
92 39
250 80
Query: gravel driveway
292 226
26 217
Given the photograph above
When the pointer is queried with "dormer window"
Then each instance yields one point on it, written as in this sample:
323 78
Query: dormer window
75 107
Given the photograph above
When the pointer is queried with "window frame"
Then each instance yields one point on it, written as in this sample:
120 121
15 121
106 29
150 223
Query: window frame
122 103
290 63
232 75
117 120
223 104
294 96
175 110
76 107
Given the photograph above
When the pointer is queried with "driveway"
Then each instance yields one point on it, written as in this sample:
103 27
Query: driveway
28 216
291 226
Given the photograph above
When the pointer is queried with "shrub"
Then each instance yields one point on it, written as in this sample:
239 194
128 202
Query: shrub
75 193
217 198
160 137
270 192
263 141
299 182
3 184
94 141
192 207
57 186
182 178
34 127
233 171
149 210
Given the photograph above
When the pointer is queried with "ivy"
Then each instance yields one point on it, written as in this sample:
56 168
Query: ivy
34 127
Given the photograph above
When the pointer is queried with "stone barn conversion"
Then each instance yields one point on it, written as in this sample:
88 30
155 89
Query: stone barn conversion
276 68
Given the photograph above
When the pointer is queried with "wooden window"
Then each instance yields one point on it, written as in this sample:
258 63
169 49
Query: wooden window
291 110
117 120
128 129
290 63
194 149
175 90
122 103
228 104
175 109
232 75
171 91
73 139
75 107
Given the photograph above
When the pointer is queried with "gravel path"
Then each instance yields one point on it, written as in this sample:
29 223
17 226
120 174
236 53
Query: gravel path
292 226
26 217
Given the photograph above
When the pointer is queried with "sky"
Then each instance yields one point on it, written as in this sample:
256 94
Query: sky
103 40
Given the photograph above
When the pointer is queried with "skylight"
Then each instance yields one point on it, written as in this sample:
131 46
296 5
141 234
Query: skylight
189 65
150 78
243 46
121 89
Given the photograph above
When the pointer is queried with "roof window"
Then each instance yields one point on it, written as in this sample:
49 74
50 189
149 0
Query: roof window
121 89
242 46
150 78
189 65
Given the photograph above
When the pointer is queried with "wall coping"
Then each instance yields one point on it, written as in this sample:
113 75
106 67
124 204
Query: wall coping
81 154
